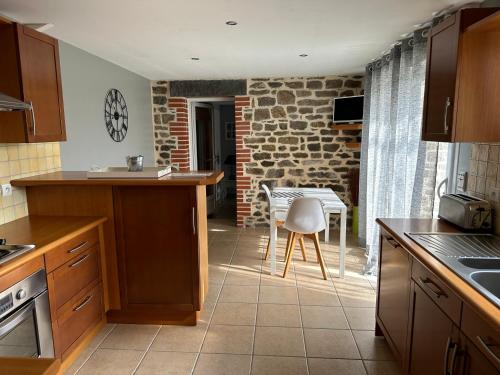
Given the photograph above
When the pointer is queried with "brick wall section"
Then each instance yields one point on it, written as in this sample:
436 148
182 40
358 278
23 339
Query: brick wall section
242 126
179 128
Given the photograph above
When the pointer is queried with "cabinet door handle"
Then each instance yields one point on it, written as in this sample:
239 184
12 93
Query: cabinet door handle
449 366
484 346
392 242
194 220
79 261
446 355
83 303
75 249
33 120
447 105
437 293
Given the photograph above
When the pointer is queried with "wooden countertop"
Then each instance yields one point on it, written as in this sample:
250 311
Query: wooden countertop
398 227
80 178
45 232
29 366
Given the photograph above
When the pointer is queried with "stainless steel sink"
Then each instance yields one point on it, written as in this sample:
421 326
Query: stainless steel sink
489 280
11 248
8 252
481 263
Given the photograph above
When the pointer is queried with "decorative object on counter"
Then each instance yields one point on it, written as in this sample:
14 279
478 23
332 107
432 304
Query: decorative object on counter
124 172
116 115
135 163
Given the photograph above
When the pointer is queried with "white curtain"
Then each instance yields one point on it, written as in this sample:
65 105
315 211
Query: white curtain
398 171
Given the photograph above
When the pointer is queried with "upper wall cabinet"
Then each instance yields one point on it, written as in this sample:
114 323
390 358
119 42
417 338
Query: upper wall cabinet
462 80
30 71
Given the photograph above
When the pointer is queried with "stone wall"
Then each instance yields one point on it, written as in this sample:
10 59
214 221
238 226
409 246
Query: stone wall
284 137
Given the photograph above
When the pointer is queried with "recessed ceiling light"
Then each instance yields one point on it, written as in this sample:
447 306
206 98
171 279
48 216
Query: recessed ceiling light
303 55
231 23
195 58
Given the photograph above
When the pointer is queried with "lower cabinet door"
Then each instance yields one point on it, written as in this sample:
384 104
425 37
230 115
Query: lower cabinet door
435 339
474 362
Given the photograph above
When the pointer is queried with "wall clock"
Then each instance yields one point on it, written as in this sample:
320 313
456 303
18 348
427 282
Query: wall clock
116 115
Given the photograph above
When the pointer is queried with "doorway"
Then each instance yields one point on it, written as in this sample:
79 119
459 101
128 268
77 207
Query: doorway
213 146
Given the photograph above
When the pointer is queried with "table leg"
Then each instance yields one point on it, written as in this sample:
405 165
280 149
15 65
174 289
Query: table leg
343 225
327 230
273 235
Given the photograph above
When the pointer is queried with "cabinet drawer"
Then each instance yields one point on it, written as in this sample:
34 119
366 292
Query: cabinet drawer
485 337
84 312
437 291
70 249
69 279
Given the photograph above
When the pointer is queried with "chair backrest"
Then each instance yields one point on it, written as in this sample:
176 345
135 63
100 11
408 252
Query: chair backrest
267 191
306 215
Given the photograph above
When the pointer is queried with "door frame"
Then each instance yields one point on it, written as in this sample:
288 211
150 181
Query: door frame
192 102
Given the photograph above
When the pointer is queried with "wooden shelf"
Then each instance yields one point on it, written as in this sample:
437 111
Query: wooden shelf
348 126
353 145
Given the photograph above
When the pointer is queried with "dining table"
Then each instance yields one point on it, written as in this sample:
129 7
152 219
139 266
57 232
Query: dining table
279 202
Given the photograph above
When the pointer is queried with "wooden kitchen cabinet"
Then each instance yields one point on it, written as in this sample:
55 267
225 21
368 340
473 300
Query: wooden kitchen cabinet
30 71
394 294
461 100
434 338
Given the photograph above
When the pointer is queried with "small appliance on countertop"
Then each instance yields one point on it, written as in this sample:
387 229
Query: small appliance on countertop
467 212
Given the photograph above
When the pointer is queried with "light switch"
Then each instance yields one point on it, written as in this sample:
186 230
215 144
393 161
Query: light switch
462 181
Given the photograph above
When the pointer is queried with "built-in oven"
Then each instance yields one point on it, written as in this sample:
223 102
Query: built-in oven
25 328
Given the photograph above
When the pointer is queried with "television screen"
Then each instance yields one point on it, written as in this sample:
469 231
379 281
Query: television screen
348 109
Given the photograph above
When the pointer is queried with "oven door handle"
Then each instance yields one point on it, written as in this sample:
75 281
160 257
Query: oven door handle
15 319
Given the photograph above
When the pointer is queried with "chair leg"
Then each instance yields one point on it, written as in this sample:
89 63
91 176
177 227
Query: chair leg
288 243
289 254
303 248
267 249
319 255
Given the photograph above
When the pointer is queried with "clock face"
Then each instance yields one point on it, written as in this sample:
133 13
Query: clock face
116 115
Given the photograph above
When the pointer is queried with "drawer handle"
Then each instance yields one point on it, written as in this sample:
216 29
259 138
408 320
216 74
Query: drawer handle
77 248
437 293
392 242
484 346
79 261
83 303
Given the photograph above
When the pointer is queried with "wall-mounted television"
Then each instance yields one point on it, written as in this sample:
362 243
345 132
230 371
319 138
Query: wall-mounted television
348 109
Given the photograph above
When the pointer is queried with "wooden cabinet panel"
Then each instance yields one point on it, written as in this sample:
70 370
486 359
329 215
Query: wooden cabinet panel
473 362
71 249
394 293
158 258
434 340
437 291
72 277
30 71
41 78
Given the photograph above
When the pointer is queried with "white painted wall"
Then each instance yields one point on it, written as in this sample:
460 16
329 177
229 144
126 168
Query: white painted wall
86 79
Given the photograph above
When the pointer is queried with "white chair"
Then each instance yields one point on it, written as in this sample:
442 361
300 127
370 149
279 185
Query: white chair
306 218
280 221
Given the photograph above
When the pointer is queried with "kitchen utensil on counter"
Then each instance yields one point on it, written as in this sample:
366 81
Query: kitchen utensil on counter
135 163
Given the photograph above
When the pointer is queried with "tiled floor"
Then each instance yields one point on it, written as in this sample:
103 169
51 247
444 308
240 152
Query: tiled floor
255 323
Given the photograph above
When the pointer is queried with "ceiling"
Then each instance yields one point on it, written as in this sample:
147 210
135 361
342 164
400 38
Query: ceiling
158 38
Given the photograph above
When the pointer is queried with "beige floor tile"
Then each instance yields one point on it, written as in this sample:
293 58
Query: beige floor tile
242 277
82 358
277 280
101 335
371 346
279 341
130 336
330 343
278 295
323 317
213 292
275 315
360 318
239 293
318 297
111 362
358 298
179 338
382 368
265 365
242 314
206 313
167 363
228 339
222 364
216 274
323 366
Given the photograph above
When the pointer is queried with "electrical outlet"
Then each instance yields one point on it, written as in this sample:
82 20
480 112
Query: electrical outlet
495 195
6 190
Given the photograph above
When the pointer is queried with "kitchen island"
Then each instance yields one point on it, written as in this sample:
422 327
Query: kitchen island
155 239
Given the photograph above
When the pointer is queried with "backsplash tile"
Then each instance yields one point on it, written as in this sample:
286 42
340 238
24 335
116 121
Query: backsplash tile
24 160
484 173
